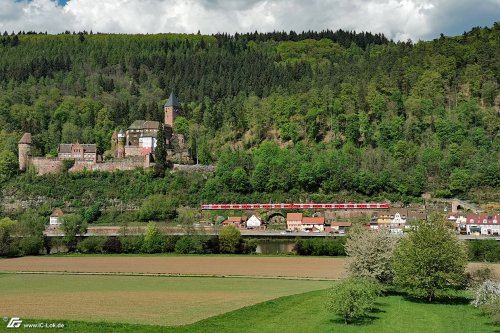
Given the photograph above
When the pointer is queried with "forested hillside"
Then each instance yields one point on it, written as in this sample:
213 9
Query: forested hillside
317 112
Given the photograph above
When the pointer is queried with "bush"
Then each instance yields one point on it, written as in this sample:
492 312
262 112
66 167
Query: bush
169 242
9 246
190 244
484 250
353 298
92 213
487 298
477 277
91 245
229 239
67 164
211 245
485 293
31 245
249 245
112 245
493 309
158 207
320 247
131 244
153 240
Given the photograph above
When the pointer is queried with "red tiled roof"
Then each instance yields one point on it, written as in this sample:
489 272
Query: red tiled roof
234 219
313 220
482 219
57 213
341 224
294 217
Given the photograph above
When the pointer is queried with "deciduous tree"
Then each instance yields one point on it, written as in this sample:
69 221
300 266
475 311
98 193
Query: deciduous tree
353 298
431 260
370 253
229 239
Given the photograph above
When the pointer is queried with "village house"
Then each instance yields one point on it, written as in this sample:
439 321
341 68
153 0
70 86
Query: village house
236 221
254 222
77 152
55 217
294 221
394 221
313 224
340 227
141 137
482 224
459 221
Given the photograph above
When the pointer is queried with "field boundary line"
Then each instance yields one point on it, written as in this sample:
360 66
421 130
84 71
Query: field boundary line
171 275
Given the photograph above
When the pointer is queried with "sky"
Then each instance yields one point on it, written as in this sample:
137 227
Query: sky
397 19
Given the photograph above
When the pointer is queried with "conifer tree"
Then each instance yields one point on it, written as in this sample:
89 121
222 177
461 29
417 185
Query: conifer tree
161 152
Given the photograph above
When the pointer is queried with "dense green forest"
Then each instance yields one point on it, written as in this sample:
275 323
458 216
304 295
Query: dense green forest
282 115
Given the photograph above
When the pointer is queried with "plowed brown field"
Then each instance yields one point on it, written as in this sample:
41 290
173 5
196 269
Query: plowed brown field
291 267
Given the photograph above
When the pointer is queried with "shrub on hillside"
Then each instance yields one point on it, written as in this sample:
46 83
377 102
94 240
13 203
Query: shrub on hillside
67 164
158 207
91 245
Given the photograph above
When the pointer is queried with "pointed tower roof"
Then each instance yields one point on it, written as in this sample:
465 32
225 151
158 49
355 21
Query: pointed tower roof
172 101
26 139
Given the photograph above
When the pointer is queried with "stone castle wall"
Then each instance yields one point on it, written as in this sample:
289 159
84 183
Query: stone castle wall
133 151
46 165
125 164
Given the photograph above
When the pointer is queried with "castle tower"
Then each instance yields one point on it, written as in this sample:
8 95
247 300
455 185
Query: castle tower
171 110
120 149
24 147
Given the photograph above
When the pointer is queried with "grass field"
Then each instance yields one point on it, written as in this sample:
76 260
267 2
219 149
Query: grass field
137 299
305 313
97 302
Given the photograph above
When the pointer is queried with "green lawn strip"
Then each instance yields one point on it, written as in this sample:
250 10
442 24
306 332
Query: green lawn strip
305 313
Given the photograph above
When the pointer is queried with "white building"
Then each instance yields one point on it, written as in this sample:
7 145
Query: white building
254 222
55 217
483 224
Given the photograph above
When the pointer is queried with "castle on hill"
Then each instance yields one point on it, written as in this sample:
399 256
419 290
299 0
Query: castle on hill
133 149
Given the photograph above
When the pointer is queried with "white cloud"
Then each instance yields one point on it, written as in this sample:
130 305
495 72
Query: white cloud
397 19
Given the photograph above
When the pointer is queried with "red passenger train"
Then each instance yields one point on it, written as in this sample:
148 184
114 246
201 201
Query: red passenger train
297 206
